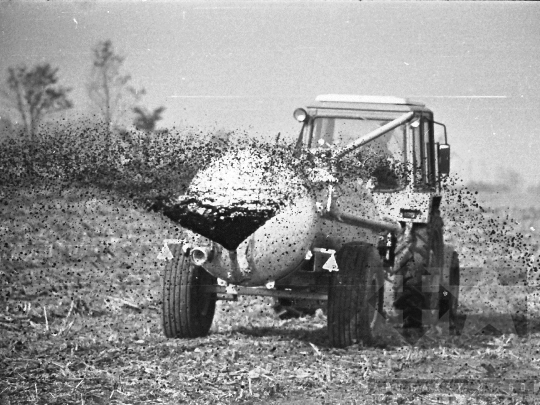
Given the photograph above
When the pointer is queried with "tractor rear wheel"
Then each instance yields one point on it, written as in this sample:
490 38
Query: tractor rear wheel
356 294
425 257
449 298
187 311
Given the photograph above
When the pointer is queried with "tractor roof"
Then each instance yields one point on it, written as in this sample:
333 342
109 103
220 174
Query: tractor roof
351 98
349 101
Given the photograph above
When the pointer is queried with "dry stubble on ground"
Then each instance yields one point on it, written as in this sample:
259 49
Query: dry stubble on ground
80 324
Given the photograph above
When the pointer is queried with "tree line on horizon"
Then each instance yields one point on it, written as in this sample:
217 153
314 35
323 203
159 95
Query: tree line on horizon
507 180
36 93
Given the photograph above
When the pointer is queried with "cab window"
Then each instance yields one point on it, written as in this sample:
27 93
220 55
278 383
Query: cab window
382 160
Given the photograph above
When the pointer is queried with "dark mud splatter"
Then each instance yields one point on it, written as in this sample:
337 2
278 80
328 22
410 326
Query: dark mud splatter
157 167
227 225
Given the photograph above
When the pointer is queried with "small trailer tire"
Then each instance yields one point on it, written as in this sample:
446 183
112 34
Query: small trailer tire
187 312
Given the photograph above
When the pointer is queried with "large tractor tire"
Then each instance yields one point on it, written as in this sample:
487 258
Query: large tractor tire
449 297
187 311
421 258
356 293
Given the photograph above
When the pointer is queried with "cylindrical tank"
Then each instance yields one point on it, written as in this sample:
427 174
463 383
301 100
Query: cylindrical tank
251 219
270 253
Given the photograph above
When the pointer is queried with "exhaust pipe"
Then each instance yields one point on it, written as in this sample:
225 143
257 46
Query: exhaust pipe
202 255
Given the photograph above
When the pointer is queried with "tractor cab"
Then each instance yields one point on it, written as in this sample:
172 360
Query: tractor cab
389 141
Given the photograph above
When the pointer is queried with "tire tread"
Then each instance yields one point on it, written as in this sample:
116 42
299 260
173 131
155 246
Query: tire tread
348 320
180 316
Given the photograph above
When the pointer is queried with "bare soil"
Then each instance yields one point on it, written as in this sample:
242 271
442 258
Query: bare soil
80 324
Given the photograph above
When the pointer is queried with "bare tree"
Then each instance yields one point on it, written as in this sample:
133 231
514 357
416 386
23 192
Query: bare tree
109 89
146 120
34 93
6 127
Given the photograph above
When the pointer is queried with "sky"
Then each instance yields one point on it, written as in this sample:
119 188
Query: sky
246 65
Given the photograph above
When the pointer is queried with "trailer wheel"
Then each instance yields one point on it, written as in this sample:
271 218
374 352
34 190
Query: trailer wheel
355 297
425 254
449 300
187 312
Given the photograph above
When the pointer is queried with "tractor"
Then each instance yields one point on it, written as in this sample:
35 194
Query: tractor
355 228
